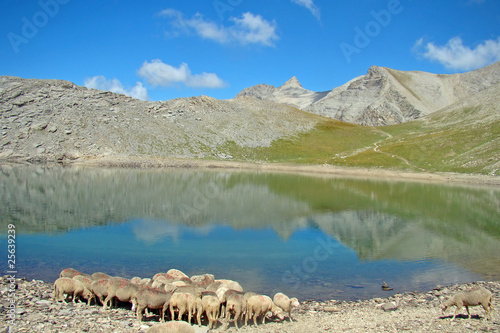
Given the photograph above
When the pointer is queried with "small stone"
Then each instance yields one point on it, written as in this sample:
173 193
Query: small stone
331 309
391 306
44 302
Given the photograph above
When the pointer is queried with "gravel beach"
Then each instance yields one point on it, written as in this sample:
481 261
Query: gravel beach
36 311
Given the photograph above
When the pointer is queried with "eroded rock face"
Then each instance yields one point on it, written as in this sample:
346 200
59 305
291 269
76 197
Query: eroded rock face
53 120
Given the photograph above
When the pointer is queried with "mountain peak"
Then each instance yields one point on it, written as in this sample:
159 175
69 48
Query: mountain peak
292 83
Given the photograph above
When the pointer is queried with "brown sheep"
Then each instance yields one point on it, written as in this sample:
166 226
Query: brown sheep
69 273
87 283
100 289
285 303
476 297
121 289
260 305
70 287
151 299
172 327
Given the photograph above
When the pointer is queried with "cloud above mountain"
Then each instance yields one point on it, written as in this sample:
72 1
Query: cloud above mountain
158 73
457 56
114 85
247 29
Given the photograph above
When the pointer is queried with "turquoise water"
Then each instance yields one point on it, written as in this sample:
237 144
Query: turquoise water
308 236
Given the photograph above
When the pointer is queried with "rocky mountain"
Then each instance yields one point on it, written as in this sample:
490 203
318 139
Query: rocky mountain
290 93
55 120
383 96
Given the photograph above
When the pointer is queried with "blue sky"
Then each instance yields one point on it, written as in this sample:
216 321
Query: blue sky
159 50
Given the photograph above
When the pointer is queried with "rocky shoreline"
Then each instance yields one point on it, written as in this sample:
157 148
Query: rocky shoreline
35 310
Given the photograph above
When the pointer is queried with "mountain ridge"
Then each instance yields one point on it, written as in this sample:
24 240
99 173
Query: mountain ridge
383 96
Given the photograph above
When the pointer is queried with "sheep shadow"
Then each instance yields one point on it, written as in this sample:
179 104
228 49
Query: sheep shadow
463 316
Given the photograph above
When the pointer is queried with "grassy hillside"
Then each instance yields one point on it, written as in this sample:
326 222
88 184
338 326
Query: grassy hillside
464 137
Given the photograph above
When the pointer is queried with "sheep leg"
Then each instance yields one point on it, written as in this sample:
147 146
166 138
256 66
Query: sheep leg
198 317
139 312
263 319
255 318
236 318
181 313
172 313
467 308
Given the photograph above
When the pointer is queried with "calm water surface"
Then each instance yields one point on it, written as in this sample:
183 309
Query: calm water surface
314 237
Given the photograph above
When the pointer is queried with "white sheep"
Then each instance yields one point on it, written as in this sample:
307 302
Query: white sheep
184 302
230 284
100 276
476 297
211 307
175 274
72 287
285 303
237 305
172 327
260 305
203 280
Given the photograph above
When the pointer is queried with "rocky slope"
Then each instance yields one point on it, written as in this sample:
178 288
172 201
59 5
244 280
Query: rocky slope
383 96
54 120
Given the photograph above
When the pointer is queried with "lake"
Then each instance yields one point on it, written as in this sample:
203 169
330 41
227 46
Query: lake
310 236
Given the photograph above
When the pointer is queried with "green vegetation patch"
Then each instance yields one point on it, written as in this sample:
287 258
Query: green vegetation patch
330 138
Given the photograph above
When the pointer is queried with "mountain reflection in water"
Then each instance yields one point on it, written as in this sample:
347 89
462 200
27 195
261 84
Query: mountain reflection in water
311 236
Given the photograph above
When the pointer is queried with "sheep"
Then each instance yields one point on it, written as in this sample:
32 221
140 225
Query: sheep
87 283
211 307
225 296
100 276
230 284
157 275
172 327
151 299
70 287
122 289
476 297
69 273
184 302
213 286
203 280
175 274
285 303
100 289
237 305
260 305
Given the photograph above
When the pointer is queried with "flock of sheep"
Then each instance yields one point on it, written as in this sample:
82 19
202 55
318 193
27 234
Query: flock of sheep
201 295
195 296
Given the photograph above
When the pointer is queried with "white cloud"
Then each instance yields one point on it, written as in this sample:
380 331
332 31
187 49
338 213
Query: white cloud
114 85
249 29
455 55
309 4
158 73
